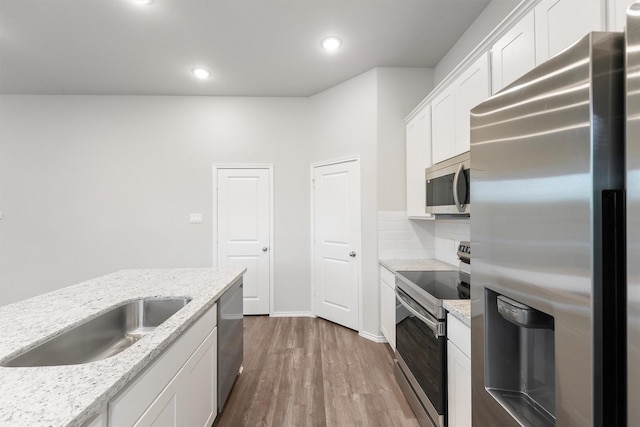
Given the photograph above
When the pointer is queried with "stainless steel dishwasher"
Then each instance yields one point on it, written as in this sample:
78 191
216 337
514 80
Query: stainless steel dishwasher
230 340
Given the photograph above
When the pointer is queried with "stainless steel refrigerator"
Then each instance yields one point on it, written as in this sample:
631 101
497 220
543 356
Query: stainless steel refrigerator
633 210
548 238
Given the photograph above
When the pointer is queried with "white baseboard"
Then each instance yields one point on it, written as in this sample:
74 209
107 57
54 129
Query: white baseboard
292 314
371 337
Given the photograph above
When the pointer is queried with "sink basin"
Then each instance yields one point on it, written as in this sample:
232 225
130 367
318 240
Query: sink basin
103 336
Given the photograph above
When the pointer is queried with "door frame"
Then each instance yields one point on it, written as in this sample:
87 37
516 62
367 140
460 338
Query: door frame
356 159
214 215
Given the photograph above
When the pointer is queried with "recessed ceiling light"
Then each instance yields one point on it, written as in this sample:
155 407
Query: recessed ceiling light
331 43
201 73
142 2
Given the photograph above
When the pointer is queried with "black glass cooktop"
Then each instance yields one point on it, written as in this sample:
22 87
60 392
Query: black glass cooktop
440 284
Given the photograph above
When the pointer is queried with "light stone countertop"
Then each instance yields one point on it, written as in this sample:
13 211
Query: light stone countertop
416 264
72 395
461 309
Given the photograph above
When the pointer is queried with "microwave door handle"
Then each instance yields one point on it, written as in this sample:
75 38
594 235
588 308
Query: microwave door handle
456 177
430 323
456 196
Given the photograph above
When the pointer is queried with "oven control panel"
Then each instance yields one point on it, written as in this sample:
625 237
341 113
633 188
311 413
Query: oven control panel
464 252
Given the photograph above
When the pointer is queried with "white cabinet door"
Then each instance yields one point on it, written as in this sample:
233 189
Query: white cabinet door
617 14
98 421
458 372
450 110
559 23
459 384
443 126
472 87
163 412
388 306
200 384
418 141
190 398
514 54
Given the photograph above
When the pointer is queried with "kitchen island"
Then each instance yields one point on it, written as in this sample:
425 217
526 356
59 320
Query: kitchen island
73 395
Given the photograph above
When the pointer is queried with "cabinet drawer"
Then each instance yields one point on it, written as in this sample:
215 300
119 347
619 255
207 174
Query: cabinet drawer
388 276
459 334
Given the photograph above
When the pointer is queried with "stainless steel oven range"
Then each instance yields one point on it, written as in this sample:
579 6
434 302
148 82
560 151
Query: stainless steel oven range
421 342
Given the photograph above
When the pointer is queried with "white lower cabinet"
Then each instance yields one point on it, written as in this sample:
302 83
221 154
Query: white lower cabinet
179 388
458 372
388 306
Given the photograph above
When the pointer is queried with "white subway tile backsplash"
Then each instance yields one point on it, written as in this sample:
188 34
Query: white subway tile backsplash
392 216
386 245
402 238
409 244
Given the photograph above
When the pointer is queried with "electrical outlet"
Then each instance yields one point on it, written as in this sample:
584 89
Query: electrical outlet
195 218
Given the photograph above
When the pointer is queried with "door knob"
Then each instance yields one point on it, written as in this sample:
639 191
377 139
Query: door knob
264 249
352 254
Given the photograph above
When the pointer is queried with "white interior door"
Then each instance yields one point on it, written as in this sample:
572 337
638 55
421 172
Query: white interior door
336 229
243 231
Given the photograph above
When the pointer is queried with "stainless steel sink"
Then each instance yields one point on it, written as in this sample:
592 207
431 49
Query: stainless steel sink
103 336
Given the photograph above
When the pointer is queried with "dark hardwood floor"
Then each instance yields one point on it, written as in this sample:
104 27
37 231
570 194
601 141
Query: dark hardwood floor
311 372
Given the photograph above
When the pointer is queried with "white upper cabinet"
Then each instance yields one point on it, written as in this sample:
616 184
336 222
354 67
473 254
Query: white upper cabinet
472 87
418 140
559 23
443 125
617 19
450 110
514 54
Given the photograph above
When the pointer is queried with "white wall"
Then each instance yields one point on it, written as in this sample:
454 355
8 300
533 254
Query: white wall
490 17
364 116
93 184
399 91
345 124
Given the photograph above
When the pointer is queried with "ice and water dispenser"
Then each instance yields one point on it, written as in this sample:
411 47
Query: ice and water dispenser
520 359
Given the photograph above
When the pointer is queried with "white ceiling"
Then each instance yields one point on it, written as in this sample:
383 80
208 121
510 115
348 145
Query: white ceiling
252 47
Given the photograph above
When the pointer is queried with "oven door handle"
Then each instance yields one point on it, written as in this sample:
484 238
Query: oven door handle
436 327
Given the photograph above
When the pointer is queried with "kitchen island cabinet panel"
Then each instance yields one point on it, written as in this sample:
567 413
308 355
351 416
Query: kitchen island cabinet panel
168 389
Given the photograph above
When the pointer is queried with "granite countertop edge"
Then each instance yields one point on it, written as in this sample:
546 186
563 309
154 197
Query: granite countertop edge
72 395
461 309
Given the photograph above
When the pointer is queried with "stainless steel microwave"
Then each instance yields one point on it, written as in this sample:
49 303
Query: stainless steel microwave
448 189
